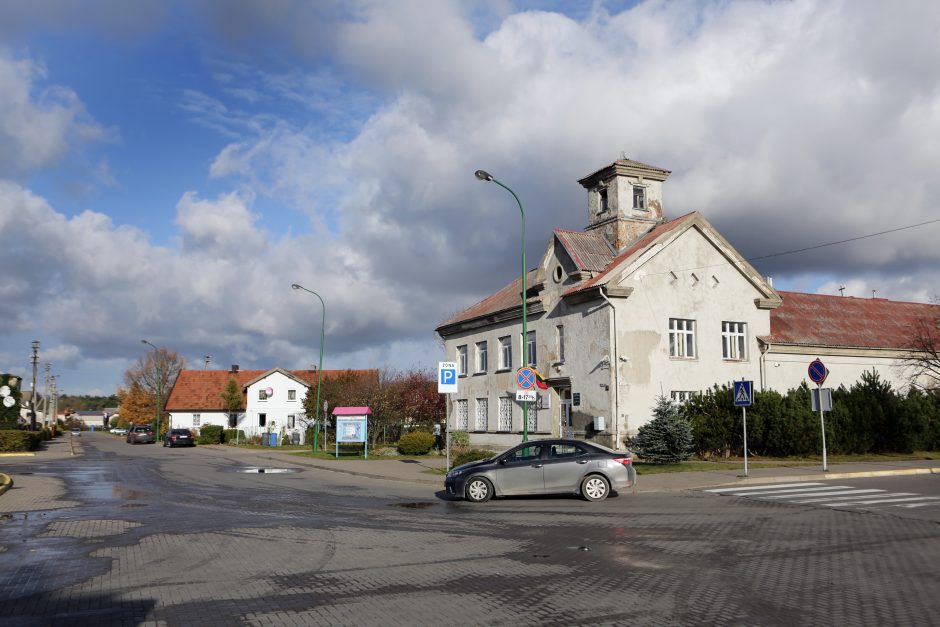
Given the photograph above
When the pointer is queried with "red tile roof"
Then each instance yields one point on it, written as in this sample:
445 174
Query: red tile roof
637 247
202 389
506 298
589 251
824 320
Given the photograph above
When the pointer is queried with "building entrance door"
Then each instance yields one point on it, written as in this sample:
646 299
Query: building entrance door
565 429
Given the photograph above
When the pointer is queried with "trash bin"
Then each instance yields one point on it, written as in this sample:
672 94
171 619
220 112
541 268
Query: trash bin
272 439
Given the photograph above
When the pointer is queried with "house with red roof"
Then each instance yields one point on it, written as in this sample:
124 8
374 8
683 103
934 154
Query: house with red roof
637 306
271 400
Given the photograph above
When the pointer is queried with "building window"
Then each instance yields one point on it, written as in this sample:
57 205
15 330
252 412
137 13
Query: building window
482 413
505 414
681 396
292 395
603 202
639 198
530 348
463 415
290 421
196 419
262 394
560 341
734 340
533 417
262 420
462 360
681 338
505 353
481 356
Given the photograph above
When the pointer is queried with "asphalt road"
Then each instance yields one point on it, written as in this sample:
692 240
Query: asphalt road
147 535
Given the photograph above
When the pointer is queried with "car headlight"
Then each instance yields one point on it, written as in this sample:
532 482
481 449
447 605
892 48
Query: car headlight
455 473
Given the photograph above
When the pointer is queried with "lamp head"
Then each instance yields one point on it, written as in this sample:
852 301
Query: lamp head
483 175
294 286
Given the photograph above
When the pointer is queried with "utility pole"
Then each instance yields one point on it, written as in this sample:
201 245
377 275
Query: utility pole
207 358
45 397
55 399
32 395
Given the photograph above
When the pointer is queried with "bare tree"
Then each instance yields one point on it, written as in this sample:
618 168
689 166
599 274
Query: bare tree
154 373
923 357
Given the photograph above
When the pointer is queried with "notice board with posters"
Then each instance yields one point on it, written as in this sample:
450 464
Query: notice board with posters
352 426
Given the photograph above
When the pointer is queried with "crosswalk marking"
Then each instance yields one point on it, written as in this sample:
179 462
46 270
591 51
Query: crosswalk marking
826 495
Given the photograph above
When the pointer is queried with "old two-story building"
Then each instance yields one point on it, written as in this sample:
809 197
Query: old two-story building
637 306
271 400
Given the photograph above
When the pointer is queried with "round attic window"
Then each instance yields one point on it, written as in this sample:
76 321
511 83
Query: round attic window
559 274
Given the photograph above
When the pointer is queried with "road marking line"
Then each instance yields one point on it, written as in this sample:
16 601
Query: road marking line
875 502
834 491
793 492
839 495
863 496
763 487
918 504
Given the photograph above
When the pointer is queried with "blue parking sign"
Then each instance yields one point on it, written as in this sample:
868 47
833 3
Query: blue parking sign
447 377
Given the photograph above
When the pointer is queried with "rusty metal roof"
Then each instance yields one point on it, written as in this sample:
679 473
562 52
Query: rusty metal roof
506 298
589 251
846 321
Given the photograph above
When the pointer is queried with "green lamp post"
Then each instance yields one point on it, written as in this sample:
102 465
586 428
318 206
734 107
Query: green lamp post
486 176
316 420
159 382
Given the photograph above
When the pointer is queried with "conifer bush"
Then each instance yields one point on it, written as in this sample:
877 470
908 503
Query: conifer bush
667 439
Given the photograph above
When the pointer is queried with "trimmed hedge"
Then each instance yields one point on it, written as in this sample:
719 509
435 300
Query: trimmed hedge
472 455
416 443
210 434
17 440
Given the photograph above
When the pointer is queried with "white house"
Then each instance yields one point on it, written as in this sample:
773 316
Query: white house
271 400
635 307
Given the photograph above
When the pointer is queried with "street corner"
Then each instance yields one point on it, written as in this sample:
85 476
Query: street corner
6 482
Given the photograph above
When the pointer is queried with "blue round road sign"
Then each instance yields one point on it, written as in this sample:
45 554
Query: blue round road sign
525 379
817 372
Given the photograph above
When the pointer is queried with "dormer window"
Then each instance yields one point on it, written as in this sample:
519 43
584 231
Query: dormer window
603 205
639 198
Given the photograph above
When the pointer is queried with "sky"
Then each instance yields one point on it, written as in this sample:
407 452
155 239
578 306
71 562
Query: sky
169 168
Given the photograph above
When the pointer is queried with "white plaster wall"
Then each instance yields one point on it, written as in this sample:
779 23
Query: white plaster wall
786 370
277 407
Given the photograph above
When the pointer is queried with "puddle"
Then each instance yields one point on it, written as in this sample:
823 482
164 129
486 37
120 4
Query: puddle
267 471
412 505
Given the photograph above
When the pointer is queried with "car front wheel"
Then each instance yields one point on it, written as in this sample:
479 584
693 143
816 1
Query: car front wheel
595 488
479 490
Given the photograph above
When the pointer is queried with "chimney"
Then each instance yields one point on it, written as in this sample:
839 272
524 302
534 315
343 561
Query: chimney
234 368
624 201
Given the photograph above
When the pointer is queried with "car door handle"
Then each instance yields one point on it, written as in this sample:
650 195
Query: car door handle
536 465
582 461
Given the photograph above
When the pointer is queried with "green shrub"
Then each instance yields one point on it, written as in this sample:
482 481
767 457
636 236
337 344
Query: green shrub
17 440
231 436
471 455
416 443
667 438
210 434
460 439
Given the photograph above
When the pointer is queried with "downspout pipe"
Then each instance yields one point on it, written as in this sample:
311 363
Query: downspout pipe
615 366
764 349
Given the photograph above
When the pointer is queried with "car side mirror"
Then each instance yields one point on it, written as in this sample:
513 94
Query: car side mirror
503 460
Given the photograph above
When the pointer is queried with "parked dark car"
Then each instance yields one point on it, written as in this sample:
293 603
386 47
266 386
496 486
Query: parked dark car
178 437
140 434
544 467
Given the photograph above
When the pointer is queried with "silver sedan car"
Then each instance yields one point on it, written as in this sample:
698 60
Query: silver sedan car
544 467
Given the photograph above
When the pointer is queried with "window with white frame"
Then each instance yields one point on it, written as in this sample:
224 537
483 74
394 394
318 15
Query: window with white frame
482 413
292 395
262 394
681 396
481 357
505 414
681 338
262 420
530 348
533 417
463 415
639 197
505 353
734 340
290 421
462 360
196 419
560 341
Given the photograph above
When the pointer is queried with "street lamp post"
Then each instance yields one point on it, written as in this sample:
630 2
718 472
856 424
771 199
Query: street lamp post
316 420
159 381
486 176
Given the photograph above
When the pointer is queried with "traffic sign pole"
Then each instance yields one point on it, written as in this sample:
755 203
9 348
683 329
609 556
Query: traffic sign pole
822 425
744 418
817 373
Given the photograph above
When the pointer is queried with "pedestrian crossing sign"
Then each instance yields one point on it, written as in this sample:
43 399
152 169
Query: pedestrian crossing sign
743 393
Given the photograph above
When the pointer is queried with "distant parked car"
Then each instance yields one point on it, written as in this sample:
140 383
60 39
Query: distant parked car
76 431
140 434
178 437
119 431
544 467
